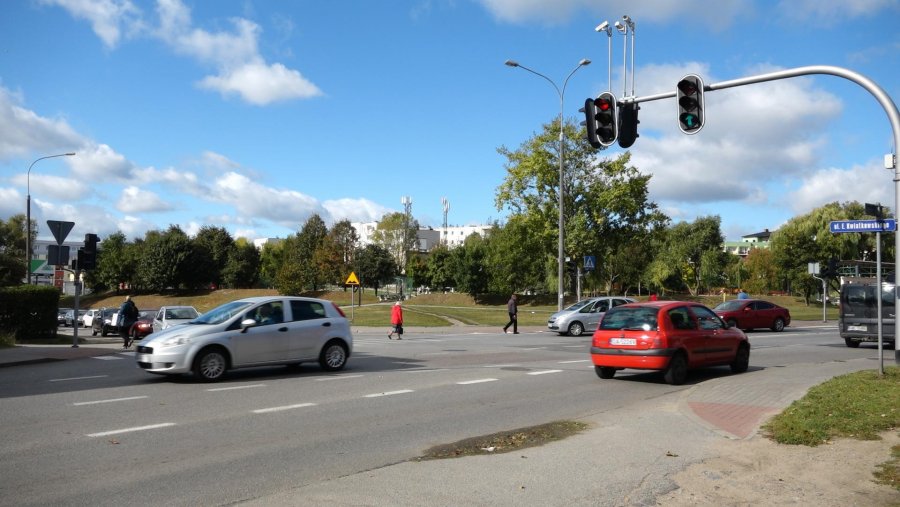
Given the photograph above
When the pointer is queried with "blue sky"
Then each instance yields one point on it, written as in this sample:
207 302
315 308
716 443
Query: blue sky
252 115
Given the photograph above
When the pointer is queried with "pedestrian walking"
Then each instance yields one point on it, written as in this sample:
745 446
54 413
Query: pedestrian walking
128 315
396 321
513 309
743 295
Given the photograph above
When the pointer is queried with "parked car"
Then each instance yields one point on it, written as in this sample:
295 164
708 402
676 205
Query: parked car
858 313
143 326
104 322
71 320
61 316
88 319
583 315
259 331
669 336
169 316
753 313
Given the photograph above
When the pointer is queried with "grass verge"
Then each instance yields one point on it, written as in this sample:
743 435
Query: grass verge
857 405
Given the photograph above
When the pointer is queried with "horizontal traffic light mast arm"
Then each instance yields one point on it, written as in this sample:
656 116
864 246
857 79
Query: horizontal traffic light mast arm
883 98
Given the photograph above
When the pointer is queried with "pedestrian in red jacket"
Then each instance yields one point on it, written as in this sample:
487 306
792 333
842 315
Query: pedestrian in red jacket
396 321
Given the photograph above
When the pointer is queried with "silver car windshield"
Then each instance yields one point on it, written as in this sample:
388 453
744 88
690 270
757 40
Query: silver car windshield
579 305
221 313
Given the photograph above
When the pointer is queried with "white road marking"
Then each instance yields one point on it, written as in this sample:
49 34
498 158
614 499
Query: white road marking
574 346
336 377
129 430
500 366
389 393
76 378
285 407
479 381
576 361
214 389
543 372
108 358
113 400
534 348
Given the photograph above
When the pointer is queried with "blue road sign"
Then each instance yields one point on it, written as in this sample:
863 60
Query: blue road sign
589 262
886 225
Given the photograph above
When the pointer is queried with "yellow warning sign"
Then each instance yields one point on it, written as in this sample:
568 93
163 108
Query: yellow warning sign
352 280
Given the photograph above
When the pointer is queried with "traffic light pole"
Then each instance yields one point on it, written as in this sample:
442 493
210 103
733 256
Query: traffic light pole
880 95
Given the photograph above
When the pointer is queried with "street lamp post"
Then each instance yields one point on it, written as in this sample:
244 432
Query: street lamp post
561 254
28 213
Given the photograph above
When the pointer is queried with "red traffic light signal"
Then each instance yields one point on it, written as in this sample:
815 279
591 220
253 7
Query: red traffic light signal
607 118
689 93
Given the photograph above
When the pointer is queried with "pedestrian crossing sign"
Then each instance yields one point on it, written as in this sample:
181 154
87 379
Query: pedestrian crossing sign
589 262
352 280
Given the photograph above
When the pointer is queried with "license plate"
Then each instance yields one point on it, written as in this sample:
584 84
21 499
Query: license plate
623 341
857 328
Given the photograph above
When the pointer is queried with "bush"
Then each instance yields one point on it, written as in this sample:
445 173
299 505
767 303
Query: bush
28 311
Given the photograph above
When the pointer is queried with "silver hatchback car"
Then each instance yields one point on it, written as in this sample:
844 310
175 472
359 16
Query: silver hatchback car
584 315
260 331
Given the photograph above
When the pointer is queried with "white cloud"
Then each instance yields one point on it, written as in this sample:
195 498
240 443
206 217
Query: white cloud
831 12
241 69
711 15
137 200
355 210
107 17
23 132
99 162
261 84
54 187
288 208
865 183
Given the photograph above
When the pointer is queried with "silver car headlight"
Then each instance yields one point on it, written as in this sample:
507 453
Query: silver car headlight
174 341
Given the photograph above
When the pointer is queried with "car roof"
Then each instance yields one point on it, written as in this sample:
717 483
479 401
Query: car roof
260 299
661 304
175 306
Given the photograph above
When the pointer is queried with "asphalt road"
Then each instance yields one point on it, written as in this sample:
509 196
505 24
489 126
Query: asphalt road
99 431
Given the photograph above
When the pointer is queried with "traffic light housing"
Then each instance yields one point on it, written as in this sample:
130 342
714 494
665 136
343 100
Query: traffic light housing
628 122
87 255
689 94
601 119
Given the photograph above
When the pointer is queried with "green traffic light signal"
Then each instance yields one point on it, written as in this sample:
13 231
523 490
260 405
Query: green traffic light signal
689 93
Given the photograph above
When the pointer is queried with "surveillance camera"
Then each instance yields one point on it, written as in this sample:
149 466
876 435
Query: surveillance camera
620 27
626 18
602 26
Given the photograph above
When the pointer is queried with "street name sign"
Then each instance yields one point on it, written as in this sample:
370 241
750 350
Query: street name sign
886 225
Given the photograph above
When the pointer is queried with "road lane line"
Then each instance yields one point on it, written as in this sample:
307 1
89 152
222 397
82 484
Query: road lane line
109 358
389 393
76 378
543 372
214 389
336 377
500 365
129 430
479 381
575 361
113 400
285 407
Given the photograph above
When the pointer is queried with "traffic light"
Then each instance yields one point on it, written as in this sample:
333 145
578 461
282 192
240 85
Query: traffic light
87 255
601 120
628 122
607 118
590 122
833 267
689 93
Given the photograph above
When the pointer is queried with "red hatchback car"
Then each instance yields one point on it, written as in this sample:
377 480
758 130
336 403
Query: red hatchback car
670 336
753 313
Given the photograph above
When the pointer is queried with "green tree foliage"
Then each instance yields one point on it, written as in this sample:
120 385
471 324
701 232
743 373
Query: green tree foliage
397 234
12 250
270 260
438 269
115 263
165 257
375 266
689 255
761 270
468 264
242 267
214 245
510 258
605 204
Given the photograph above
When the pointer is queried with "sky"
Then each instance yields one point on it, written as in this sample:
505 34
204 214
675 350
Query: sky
253 115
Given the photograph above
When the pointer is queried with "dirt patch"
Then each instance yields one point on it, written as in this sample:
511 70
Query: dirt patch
762 472
506 441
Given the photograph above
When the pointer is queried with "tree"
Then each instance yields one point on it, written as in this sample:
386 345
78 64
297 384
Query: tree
438 269
511 261
762 271
397 234
242 267
164 258
214 244
468 264
12 251
271 257
115 262
689 254
376 266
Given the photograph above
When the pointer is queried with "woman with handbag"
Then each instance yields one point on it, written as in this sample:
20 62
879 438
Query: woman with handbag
396 321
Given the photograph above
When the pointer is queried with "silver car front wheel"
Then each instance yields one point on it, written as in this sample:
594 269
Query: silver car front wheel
333 356
210 365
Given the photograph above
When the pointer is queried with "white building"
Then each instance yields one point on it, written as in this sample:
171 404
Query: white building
427 238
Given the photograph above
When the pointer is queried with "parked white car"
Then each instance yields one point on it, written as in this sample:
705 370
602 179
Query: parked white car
169 316
88 319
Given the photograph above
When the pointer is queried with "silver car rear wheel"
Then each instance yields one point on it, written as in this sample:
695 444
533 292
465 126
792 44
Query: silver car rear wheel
333 356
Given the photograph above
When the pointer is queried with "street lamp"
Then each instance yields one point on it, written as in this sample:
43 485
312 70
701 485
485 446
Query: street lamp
28 213
561 254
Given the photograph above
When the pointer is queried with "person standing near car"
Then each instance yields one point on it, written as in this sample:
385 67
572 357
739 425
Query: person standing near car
396 321
512 308
128 315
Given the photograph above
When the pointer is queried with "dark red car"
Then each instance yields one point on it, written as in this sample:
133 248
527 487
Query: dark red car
143 326
753 313
669 336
